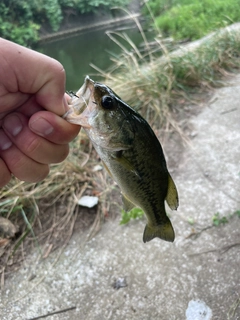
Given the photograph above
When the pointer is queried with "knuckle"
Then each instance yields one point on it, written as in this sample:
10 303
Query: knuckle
33 145
58 68
16 161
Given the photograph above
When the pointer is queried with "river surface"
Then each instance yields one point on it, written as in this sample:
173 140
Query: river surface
76 53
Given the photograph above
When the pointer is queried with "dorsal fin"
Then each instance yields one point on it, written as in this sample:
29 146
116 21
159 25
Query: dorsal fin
172 194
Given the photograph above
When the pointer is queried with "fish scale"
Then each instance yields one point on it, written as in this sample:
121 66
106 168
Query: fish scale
130 152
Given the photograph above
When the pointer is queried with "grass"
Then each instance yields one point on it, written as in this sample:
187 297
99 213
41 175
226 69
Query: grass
153 85
193 19
46 212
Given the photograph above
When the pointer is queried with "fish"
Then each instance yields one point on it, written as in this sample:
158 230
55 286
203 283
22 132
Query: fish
130 152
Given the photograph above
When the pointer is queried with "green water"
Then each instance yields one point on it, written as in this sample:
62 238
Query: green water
76 53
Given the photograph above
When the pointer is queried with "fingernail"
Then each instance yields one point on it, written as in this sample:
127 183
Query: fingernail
5 142
41 127
12 124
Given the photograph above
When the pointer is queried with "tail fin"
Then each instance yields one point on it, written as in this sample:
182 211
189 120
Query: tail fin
163 231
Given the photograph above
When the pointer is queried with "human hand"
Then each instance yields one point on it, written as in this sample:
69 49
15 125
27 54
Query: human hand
32 101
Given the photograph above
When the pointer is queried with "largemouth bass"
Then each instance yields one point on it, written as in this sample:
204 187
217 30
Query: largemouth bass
130 152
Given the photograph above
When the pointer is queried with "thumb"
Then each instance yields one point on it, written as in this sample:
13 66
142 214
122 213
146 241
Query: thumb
30 72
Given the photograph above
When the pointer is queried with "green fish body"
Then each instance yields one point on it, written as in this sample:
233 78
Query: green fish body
131 153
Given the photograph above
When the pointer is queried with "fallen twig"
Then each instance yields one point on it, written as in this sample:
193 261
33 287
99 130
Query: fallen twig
221 250
52 313
228 111
233 308
196 233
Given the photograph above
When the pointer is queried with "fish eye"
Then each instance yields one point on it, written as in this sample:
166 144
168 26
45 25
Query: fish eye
107 102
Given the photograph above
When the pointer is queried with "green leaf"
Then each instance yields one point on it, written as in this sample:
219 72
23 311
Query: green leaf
217 220
135 213
237 213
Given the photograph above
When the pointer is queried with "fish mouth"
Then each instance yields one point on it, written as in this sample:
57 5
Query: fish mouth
81 105
84 94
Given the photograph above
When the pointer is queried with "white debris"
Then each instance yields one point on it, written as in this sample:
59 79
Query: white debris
198 310
98 167
88 201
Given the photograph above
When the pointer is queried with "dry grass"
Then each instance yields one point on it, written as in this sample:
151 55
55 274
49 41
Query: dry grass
44 214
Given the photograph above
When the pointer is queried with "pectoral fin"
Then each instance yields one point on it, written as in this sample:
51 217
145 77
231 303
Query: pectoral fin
106 167
121 159
172 194
127 204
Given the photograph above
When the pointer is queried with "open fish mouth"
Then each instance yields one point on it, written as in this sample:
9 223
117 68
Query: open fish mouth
80 102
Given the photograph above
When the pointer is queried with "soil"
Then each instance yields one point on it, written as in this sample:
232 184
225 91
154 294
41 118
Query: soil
116 276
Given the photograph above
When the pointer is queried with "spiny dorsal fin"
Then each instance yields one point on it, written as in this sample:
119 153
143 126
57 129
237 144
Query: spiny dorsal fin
172 194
